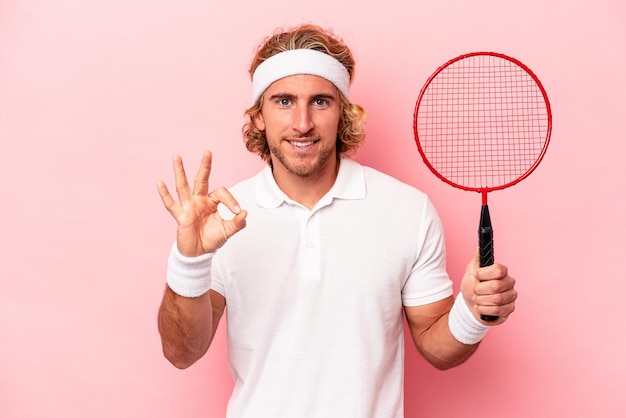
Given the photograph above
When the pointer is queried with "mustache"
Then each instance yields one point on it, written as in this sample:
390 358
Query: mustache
308 136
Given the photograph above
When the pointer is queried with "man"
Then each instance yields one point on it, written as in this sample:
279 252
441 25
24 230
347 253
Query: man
319 257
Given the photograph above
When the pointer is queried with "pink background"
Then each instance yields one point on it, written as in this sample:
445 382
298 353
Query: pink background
96 96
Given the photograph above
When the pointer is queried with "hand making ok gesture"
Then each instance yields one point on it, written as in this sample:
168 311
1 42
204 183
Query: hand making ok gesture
201 229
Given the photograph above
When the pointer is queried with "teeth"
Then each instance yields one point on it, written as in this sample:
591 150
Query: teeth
302 144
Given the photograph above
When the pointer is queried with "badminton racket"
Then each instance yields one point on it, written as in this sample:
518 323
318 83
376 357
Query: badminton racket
482 122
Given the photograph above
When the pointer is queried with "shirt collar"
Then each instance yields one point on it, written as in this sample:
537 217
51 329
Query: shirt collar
349 185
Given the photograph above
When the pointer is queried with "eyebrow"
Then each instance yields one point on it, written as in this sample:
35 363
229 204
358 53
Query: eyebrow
293 97
282 96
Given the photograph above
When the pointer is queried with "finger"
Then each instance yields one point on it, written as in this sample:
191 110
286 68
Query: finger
495 287
492 272
167 199
236 224
222 195
201 183
501 311
499 304
182 186
496 299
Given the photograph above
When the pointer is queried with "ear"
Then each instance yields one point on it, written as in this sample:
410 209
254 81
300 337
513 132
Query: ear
259 121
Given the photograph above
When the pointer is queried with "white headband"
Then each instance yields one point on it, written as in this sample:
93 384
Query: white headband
299 61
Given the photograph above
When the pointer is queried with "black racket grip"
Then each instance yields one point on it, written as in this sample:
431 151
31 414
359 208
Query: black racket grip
485 247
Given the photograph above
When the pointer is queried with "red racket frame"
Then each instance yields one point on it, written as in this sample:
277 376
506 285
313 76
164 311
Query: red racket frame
483 190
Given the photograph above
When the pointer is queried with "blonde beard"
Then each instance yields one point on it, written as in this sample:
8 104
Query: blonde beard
301 170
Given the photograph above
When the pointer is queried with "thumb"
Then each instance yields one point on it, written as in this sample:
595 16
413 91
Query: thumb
236 224
474 263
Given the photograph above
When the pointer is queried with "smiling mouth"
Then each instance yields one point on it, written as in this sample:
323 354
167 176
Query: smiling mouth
303 144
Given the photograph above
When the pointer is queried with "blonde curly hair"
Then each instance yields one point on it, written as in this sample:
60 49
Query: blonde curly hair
351 132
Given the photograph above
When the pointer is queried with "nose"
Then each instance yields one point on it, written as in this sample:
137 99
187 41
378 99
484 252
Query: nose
303 120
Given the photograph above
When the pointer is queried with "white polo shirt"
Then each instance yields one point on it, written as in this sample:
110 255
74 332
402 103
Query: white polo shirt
314 298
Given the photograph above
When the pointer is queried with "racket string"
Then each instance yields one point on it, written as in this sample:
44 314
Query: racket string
482 122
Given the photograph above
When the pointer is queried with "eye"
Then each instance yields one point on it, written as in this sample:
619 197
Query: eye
284 101
320 102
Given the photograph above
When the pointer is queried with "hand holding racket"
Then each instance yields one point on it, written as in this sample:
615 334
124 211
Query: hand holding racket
482 122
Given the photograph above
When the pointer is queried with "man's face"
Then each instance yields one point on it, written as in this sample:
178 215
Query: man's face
300 117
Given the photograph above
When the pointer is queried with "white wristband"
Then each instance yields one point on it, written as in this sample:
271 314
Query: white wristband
189 276
463 325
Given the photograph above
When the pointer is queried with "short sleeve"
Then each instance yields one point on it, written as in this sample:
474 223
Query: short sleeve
428 281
